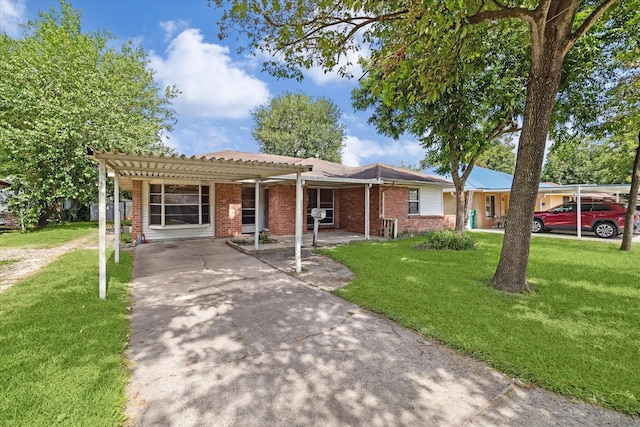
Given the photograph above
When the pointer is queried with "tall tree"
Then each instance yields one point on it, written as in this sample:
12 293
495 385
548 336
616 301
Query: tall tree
633 201
62 90
294 124
318 33
499 156
454 131
589 161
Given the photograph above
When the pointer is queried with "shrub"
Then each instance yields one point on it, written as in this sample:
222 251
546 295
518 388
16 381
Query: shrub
448 239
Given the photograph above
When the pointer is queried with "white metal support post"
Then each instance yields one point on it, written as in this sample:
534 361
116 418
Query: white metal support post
298 237
257 215
116 217
579 213
367 220
102 228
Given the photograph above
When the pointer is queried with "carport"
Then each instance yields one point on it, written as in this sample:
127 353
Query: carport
124 167
577 191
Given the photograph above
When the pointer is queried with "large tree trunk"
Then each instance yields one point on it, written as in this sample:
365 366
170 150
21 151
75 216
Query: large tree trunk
461 210
633 201
549 38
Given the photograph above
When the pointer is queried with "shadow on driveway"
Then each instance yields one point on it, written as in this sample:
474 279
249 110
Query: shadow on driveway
221 338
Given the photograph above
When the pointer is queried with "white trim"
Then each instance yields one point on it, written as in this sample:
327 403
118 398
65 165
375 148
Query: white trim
256 237
102 229
178 226
367 215
298 239
116 218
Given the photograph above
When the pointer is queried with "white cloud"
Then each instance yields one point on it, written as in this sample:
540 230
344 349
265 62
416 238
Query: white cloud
212 85
170 28
12 14
357 151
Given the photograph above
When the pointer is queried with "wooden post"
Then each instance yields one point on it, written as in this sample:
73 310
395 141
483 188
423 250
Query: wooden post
102 228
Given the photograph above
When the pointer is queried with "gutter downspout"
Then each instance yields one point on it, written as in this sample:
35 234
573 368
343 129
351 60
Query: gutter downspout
393 184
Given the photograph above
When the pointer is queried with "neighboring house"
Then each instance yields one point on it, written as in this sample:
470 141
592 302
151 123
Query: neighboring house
165 207
491 193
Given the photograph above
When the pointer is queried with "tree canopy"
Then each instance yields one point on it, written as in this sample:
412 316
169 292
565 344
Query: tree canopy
294 124
590 162
62 90
457 128
499 156
305 34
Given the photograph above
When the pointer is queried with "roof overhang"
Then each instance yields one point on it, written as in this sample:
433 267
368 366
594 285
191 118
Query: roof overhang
560 189
329 180
130 166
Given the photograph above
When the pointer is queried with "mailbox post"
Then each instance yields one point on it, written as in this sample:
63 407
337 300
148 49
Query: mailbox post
317 215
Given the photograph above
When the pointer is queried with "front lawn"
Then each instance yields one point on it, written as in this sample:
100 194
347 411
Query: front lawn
578 334
52 235
61 347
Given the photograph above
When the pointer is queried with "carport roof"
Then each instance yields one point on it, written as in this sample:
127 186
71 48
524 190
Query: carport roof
130 166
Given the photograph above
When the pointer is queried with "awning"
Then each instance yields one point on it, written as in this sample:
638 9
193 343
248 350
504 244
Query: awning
127 167
131 166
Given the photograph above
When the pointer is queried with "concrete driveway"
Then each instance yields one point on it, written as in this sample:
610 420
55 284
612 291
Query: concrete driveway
221 338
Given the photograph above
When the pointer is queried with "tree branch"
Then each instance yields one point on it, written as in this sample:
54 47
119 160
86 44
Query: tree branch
589 22
504 13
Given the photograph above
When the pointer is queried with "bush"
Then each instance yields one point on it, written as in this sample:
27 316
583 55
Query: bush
448 239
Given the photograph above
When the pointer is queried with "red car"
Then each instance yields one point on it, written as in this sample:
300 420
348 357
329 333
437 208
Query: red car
605 219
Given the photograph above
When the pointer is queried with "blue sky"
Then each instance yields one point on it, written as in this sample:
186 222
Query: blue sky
219 87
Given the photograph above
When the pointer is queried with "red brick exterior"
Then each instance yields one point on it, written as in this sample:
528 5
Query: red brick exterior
136 209
351 203
396 205
282 210
348 210
228 210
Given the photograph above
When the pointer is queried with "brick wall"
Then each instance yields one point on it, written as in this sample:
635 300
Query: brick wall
228 210
136 209
351 203
396 205
282 210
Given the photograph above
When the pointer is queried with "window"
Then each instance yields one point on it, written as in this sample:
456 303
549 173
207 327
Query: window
490 206
178 204
414 201
320 198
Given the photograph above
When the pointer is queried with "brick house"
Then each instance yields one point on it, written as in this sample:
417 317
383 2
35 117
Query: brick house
167 208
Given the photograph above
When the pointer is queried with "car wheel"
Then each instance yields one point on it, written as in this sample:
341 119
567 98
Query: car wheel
605 230
537 226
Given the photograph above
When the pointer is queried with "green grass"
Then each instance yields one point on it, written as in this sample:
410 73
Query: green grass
61 347
49 236
577 334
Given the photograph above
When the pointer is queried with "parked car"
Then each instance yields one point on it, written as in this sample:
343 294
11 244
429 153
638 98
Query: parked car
605 219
